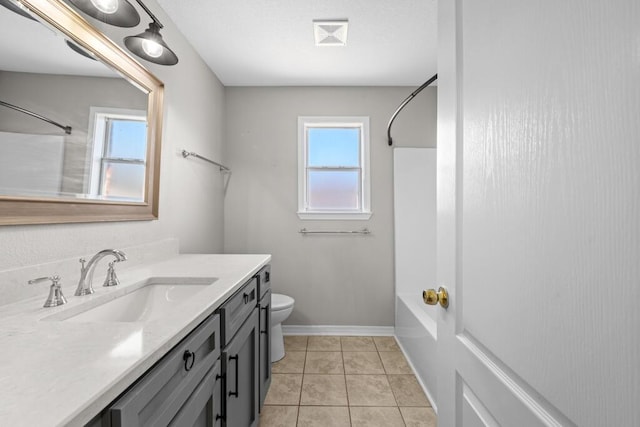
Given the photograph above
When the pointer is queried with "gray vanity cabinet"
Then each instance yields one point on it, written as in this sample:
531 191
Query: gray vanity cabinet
240 334
264 305
183 389
217 376
203 408
240 362
235 311
265 345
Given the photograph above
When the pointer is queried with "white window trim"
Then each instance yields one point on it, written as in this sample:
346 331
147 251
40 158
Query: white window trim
96 140
304 122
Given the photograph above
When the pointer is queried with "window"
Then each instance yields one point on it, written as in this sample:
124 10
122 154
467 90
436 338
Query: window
119 154
333 168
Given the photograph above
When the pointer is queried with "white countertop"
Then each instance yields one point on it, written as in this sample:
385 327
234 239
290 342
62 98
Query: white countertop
64 373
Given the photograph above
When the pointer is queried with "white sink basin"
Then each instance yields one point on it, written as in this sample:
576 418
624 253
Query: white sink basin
147 300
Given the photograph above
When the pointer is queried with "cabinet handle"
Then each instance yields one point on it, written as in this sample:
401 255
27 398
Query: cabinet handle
266 329
267 350
188 355
246 297
267 277
234 393
219 416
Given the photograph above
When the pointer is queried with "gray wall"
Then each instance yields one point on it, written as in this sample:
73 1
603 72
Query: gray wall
67 100
335 280
191 196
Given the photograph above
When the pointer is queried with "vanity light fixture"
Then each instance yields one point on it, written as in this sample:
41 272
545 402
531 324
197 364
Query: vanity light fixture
147 45
17 7
77 49
120 13
150 46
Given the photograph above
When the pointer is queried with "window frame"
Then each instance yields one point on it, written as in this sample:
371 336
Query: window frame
98 134
364 211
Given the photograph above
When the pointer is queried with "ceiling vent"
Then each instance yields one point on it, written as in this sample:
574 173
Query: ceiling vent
330 32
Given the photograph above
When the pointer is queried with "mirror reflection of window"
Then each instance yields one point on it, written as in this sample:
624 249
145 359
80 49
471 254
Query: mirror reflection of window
119 154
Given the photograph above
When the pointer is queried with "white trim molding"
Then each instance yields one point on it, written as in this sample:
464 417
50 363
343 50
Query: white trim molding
363 212
375 331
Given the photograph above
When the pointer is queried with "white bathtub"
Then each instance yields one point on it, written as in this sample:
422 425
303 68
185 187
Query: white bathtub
417 333
415 260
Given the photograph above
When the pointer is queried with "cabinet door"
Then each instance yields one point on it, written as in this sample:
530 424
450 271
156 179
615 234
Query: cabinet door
203 408
160 393
240 359
265 345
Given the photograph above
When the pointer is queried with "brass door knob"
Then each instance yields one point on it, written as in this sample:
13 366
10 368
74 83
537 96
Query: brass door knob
431 297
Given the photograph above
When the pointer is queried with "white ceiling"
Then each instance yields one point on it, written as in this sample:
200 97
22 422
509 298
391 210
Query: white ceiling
32 47
271 43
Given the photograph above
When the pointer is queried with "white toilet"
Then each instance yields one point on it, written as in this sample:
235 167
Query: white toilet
281 308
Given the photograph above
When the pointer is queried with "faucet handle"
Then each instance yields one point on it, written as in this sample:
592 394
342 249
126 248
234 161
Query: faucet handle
111 279
56 297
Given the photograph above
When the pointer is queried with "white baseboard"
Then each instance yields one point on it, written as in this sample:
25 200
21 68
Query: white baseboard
337 330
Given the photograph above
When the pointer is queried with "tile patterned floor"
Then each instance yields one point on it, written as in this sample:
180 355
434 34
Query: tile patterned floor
329 381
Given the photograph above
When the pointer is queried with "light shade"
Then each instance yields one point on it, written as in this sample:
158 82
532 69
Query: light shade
150 46
120 13
80 50
17 8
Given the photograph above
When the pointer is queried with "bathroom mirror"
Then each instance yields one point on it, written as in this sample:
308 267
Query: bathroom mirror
80 121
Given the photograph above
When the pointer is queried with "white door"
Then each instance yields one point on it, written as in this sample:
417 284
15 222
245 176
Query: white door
539 213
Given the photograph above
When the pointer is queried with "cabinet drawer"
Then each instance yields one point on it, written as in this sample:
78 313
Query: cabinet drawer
235 311
204 406
160 393
264 280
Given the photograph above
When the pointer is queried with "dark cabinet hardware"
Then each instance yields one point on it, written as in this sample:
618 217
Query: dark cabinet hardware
235 393
188 356
266 329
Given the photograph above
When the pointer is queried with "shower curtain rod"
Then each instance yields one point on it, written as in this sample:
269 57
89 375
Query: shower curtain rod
405 102
66 129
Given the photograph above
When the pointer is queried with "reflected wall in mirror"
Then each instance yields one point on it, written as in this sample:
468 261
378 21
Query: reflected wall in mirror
93 154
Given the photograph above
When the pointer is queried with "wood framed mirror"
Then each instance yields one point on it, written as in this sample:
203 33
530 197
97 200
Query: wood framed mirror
103 164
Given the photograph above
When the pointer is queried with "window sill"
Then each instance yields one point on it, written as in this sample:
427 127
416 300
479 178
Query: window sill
335 215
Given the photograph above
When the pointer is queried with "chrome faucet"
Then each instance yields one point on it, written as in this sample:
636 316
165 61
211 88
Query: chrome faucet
56 297
85 286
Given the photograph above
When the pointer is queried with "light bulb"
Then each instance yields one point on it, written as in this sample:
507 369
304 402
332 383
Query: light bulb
152 48
106 6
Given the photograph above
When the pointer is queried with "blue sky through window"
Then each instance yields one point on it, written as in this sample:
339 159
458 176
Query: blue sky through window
128 139
334 147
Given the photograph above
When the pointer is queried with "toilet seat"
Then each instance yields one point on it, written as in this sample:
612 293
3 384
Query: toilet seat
281 302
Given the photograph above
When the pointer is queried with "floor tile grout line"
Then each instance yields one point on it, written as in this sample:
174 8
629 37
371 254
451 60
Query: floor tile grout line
346 390
344 375
304 365
384 368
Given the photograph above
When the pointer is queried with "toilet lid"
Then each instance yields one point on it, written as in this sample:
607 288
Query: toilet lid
281 302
